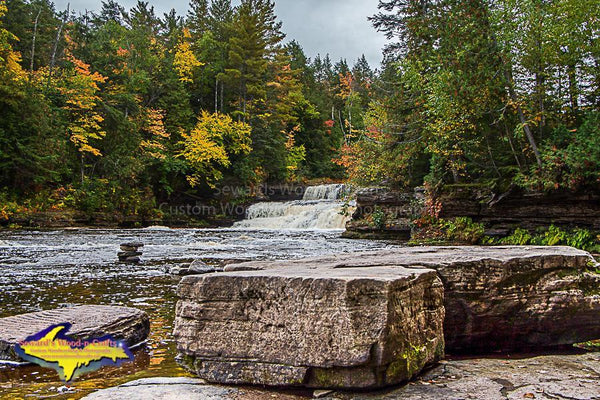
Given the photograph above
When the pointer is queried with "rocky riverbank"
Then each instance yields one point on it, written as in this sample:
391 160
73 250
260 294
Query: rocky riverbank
562 377
386 213
371 320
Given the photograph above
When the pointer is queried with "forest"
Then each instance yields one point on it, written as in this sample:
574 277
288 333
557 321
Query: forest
120 110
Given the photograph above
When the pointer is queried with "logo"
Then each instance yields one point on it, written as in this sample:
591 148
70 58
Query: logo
51 348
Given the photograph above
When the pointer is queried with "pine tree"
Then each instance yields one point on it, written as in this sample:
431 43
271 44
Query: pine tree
198 17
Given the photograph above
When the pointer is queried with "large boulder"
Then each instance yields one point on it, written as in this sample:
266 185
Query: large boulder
89 321
496 298
311 325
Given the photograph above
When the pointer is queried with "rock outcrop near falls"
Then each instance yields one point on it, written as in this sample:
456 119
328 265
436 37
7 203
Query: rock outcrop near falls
497 298
374 319
311 326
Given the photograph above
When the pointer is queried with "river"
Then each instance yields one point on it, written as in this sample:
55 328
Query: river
42 270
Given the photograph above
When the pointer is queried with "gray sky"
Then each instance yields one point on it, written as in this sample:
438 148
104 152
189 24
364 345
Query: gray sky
337 27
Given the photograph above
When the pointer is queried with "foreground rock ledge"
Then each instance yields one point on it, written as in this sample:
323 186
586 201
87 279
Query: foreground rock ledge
548 378
122 323
311 325
496 298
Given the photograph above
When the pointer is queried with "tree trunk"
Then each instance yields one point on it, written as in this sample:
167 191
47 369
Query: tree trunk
573 91
526 128
58 35
35 25
512 147
216 95
82 169
222 90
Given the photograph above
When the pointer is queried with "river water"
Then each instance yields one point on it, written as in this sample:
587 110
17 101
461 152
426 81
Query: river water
60 268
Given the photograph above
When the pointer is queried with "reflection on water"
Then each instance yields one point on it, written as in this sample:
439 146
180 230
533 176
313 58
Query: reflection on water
42 270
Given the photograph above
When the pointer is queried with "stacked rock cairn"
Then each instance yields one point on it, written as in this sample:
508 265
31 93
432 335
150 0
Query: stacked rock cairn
130 252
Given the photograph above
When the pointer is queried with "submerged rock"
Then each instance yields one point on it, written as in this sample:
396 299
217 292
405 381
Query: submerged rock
311 326
90 321
497 298
197 267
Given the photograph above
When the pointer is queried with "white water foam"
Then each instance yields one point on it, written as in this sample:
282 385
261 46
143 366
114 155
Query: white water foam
324 192
320 209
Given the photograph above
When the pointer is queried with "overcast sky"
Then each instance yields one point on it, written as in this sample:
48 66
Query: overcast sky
337 27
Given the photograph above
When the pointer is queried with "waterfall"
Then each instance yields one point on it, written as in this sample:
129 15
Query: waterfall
321 208
324 192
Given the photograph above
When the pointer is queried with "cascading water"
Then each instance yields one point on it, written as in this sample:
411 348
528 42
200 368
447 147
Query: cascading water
324 192
321 208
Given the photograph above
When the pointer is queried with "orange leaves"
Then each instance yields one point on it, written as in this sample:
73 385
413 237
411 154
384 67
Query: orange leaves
346 85
154 145
80 88
121 52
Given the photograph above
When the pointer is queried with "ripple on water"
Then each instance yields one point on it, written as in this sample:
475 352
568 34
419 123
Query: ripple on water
62 268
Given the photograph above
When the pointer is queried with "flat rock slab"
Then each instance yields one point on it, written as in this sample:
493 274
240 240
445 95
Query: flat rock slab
311 326
165 389
505 298
89 321
546 378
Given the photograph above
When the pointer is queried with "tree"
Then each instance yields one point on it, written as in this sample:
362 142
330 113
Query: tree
185 60
80 88
208 147
198 17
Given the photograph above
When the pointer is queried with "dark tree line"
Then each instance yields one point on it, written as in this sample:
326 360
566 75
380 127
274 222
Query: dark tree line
116 109
120 108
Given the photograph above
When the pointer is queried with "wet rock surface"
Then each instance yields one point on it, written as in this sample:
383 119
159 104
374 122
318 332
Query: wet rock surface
130 252
545 377
496 298
122 323
562 377
311 326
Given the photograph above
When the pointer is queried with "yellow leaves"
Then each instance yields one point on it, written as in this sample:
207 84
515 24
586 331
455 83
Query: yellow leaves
295 154
13 60
9 59
346 85
185 61
208 146
153 125
80 88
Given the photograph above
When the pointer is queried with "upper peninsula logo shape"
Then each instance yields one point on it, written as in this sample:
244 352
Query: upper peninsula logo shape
71 358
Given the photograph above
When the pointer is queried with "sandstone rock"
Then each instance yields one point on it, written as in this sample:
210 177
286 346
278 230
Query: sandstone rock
127 254
496 298
562 377
399 209
500 213
132 246
132 260
199 267
311 326
179 271
196 268
165 389
122 323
